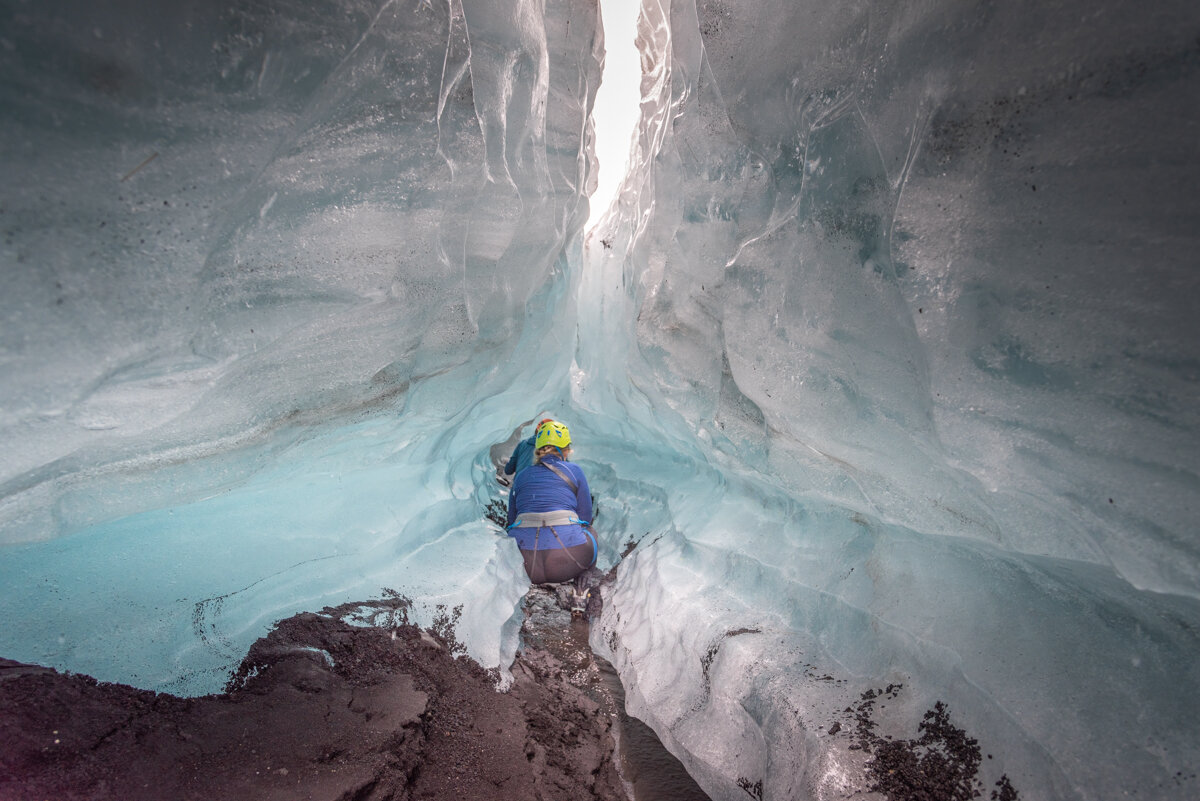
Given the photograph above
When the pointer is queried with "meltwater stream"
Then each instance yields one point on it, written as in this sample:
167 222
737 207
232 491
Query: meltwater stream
650 771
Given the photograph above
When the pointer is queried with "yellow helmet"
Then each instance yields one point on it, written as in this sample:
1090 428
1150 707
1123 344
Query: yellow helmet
553 433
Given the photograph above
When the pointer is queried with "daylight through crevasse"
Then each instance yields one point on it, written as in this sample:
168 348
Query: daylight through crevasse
616 110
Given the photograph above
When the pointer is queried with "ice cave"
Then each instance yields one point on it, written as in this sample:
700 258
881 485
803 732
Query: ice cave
884 359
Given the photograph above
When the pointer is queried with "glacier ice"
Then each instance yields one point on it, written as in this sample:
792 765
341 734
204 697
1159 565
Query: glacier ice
886 360
920 282
260 262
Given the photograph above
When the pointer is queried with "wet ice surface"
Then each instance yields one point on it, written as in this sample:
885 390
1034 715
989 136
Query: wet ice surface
887 363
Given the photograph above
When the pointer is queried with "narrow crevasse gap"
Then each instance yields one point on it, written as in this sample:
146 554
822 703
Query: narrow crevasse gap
653 773
617 110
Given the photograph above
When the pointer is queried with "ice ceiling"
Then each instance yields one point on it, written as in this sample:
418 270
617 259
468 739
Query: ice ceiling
887 360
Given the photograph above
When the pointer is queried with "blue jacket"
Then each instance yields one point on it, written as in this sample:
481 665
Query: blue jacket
522 457
539 489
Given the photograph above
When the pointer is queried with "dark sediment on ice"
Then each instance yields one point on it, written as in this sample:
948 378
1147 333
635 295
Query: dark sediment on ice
320 709
943 763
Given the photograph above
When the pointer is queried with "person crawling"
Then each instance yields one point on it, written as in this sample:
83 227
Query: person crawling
550 510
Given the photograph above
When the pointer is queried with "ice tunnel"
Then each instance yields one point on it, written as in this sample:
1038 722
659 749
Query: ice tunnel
885 358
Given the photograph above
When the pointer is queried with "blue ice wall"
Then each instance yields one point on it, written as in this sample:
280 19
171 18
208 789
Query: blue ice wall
263 261
920 279
887 361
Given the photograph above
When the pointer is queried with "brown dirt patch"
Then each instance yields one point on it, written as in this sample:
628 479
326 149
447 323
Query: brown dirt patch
320 709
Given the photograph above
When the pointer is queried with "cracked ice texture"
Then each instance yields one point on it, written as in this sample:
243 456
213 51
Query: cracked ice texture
923 275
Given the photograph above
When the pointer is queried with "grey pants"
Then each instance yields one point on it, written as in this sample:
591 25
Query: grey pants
554 565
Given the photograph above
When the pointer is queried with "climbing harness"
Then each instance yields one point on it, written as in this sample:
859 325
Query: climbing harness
546 519
558 471
541 520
